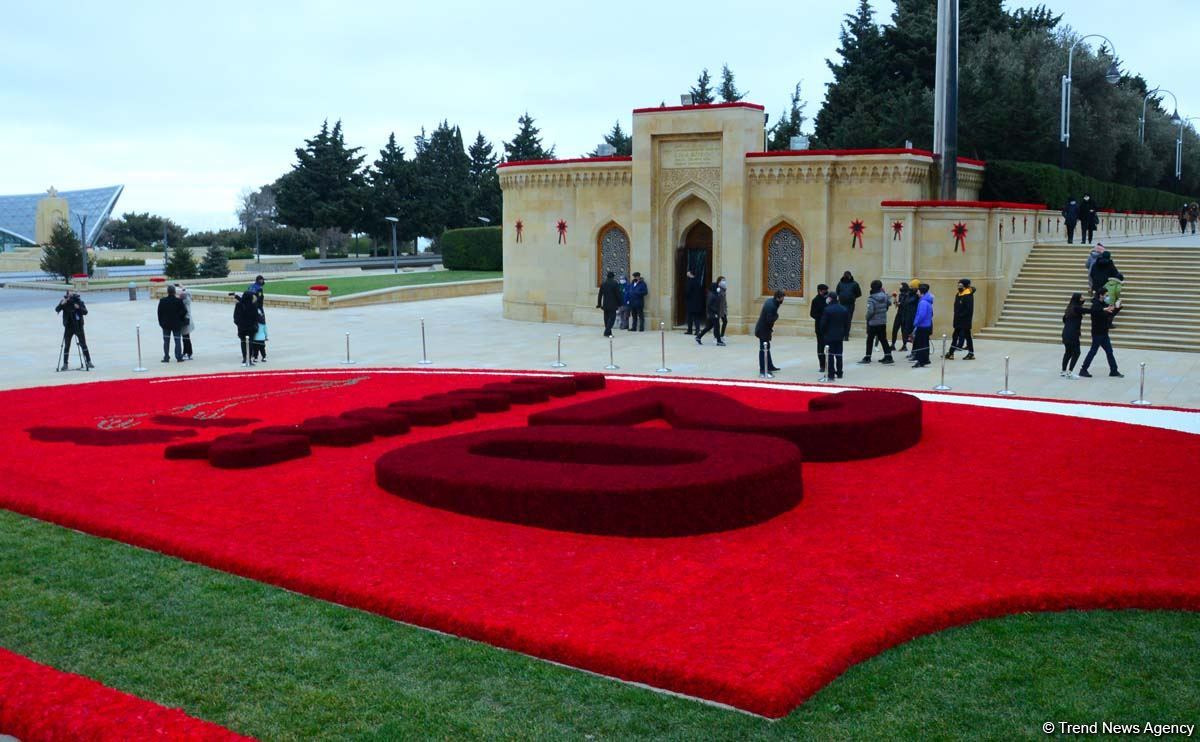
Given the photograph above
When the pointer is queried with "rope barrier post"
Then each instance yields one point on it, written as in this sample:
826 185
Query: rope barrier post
1006 392
1141 400
558 362
246 361
612 366
662 336
348 362
941 387
424 356
140 367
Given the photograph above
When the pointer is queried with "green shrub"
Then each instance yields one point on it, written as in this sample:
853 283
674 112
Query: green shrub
243 254
472 249
113 262
1035 182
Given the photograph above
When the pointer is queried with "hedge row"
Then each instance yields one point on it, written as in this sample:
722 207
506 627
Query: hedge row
1035 182
473 249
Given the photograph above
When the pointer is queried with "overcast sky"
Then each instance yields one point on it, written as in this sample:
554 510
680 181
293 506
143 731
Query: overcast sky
187 103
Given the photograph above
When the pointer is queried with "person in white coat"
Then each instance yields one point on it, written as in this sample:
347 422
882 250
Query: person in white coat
191 323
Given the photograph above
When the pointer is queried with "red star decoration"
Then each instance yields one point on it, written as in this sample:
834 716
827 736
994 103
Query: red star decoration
520 225
856 233
562 231
960 236
897 228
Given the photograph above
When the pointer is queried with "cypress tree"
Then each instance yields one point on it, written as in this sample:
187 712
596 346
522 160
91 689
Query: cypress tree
485 184
789 124
728 91
618 140
64 255
181 263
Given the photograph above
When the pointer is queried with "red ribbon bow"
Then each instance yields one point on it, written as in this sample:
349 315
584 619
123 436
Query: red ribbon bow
856 233
960 236
562 231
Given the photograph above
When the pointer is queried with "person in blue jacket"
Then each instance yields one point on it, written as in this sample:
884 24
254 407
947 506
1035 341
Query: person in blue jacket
637 304
923 326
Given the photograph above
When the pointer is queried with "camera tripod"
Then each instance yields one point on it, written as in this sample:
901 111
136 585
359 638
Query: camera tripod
61 363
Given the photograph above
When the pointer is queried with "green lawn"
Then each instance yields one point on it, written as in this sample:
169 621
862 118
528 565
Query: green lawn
278 665
355 284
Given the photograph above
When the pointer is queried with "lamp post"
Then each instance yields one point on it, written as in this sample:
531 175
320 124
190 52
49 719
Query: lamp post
1179 144
1142 120
395 256
1113 76
83 217
257 254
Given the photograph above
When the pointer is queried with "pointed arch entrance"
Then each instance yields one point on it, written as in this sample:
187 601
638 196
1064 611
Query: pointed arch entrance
694 254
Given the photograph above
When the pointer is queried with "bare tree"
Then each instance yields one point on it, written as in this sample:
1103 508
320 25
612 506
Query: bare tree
256 206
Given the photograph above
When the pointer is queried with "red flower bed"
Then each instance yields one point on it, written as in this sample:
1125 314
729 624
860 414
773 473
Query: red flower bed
993 511
483 401
318 287
328 430
245 450
383 420
638 483
429 413
838 427
39 703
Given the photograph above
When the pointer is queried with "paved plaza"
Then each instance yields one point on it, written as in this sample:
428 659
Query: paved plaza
469 332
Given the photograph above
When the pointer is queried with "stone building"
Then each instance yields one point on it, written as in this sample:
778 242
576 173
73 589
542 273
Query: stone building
701 193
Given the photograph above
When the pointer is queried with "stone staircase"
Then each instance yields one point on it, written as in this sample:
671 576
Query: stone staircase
1160 301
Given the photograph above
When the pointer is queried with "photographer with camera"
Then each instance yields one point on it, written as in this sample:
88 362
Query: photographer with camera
73 309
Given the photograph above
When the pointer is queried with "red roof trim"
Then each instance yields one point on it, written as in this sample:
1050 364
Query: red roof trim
575 161
699 107
858 152
965 205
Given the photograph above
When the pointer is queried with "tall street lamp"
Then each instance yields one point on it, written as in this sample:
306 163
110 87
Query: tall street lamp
257 254
1179 144
395 256
1142 120
83 217
1113 76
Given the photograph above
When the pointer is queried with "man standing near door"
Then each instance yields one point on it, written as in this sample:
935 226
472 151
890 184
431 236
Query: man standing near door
637 304
609 299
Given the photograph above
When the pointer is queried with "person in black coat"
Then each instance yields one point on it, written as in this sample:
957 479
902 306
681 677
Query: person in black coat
172 318
764 329
964 317
1070 215
1089 218
245 317
695 302
73 310
716 300
815 310
1102 317
848 291
609 299
833 328
1072 327
898 300
1102 270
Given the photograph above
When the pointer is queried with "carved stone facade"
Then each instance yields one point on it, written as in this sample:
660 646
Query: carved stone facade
777 219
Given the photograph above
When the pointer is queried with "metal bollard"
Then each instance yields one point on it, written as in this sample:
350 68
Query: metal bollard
558 362
941 387
662 336
132 291
611 365
140 367
1006 392
246 351
348 362
424 356
1141 400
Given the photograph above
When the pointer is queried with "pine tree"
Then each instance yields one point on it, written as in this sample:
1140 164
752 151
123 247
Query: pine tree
485 184
728 91
444 182
702 92
64 255
527 144
181 263
621 142
215 264
393 181
789 124
845 119
325 189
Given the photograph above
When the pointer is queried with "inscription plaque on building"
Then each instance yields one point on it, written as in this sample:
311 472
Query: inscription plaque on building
692 153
